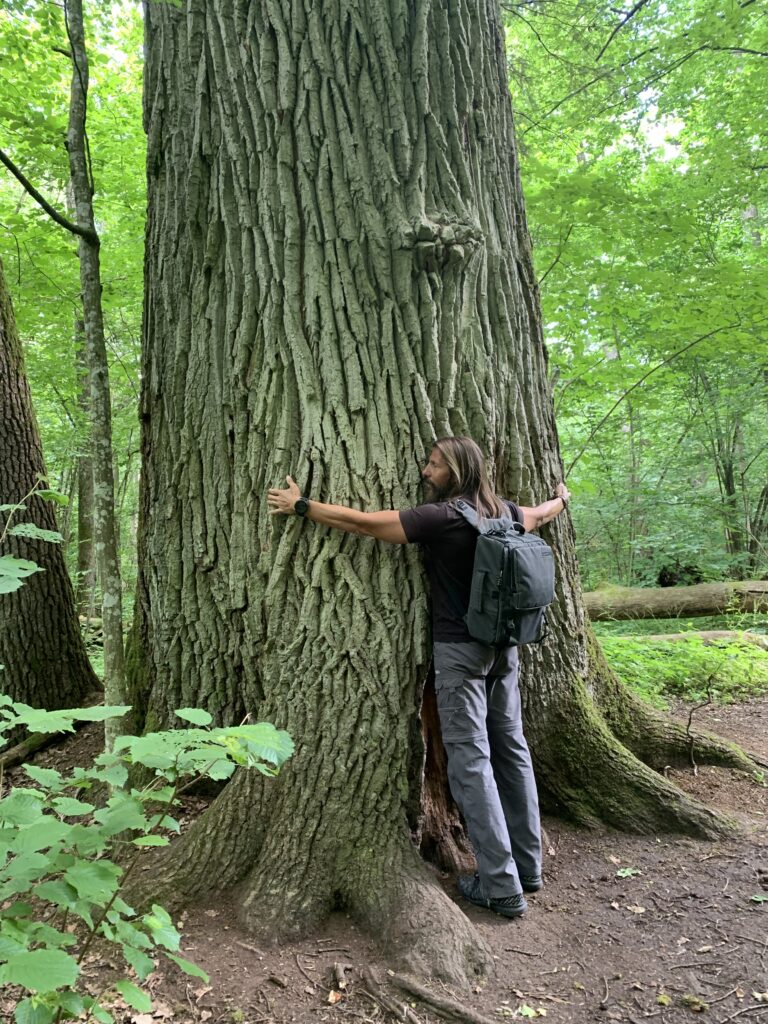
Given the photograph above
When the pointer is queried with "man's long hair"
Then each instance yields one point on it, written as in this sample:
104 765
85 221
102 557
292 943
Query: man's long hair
469 477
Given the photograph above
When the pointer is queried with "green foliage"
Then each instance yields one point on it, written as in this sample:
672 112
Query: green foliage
647 201
58 884
14 570
687 669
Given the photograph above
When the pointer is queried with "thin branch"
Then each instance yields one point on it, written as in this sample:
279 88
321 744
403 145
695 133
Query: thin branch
75 229
658 366
557 258
628 17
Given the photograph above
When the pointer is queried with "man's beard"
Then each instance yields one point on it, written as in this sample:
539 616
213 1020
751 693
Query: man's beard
433 493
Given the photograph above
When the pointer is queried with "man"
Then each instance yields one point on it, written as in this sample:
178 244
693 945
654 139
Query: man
489 766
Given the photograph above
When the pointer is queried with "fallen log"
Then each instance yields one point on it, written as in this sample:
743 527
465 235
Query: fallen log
711 636
676 602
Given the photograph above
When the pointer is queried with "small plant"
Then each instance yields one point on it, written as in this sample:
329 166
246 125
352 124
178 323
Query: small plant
59 889
628 872
13 571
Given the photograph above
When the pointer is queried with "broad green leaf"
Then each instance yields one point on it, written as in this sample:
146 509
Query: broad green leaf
188 967
121 813
47 777
41 834
70 807
139 961
195 715
33 532
22 807
134 996
13 508
54 496
32 1011
56 891
161 927
8 584
10 946
95 881
40 970
151 841
20 567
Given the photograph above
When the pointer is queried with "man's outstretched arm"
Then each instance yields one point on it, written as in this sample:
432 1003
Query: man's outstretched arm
533 518
381 525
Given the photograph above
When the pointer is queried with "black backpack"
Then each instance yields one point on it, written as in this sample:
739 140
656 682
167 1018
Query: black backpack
513 582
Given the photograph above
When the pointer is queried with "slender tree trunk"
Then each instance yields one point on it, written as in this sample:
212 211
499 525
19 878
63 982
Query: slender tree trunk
41 649
104 531
85 591
338 270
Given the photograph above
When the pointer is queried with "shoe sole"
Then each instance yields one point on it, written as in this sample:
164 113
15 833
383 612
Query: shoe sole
503 911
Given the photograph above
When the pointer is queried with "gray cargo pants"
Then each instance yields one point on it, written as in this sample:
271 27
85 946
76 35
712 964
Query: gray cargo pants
489 766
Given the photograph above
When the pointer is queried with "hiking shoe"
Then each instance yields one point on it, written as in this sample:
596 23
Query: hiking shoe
472 890
531 883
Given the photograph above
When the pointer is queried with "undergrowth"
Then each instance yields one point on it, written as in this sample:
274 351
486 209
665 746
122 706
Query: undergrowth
687 670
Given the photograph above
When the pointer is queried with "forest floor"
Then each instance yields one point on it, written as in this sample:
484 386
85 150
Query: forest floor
626 928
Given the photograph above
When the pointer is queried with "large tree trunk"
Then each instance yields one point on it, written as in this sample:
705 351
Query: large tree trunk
676 602
338 270
41 649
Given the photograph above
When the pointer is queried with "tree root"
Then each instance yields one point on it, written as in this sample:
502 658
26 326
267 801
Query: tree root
447 1008
653 737
587 772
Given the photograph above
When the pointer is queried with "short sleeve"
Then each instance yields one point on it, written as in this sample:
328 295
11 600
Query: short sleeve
422 522
517 514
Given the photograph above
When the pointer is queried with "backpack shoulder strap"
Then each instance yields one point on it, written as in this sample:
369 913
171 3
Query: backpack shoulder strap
486 525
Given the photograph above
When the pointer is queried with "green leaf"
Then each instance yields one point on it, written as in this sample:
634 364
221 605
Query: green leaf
95 881
139 961
42 834
194 715
33 532
759 897
20 567
40 970
13 508
70 807
32 1011
9 947
47 777
161 927
22 807
134 996
151 841
188 967
56 891
122 812
8 584
48 495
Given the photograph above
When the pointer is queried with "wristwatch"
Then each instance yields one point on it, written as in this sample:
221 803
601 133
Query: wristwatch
301 506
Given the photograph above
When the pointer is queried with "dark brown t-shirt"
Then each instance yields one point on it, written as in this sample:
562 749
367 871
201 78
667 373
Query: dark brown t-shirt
448 543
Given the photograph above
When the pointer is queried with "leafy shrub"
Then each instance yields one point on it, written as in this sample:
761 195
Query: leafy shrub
59 889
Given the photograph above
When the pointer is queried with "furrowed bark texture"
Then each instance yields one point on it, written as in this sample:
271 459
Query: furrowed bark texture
338 270
41 649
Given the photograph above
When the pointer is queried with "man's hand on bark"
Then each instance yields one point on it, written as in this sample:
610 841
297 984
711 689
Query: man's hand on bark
282 501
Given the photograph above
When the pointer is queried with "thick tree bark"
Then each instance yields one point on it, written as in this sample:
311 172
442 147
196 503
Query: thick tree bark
41 649
676 602
338 270
104 526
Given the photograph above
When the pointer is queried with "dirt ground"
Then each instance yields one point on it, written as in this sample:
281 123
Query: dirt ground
626 928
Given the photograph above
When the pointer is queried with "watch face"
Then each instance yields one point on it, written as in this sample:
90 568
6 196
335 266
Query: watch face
300 506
